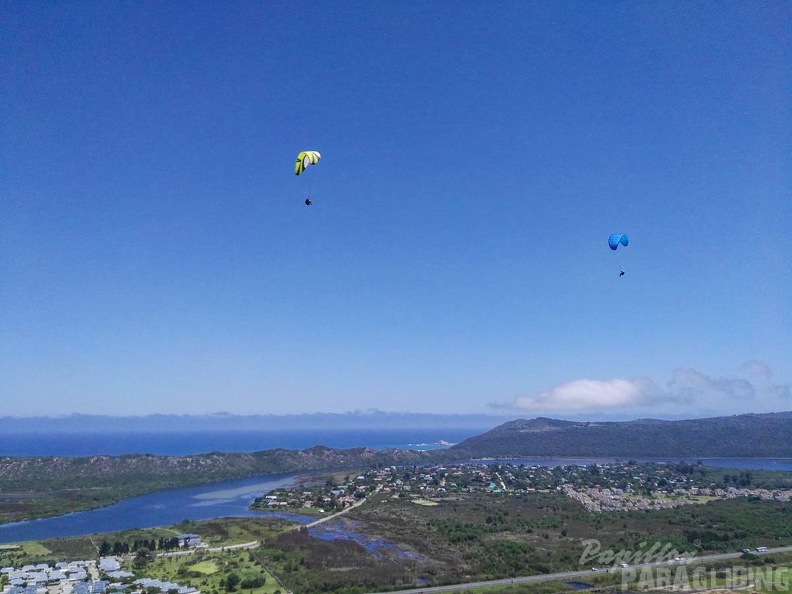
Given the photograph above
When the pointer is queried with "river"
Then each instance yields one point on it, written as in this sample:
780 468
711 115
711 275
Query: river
162 508
232 499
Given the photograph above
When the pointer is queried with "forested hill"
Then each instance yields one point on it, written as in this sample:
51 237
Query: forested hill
753 435
47 473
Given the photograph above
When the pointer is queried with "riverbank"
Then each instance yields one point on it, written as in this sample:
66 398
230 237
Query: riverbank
37 495
161 508
43 487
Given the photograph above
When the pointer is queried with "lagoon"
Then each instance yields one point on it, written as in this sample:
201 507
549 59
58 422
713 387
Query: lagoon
232 499
162 508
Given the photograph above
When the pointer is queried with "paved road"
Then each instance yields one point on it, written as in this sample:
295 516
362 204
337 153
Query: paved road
343 511
245 545
567 575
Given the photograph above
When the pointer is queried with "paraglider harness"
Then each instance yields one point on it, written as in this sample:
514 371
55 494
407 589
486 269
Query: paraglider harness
308 202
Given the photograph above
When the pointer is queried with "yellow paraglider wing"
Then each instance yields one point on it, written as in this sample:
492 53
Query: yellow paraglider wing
304 159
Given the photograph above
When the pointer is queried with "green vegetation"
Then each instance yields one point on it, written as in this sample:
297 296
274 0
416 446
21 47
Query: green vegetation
784 577
309 565
529 588
751 436
23 553
320 498
480 536
48 486
204 567
484 523
214 572
483 537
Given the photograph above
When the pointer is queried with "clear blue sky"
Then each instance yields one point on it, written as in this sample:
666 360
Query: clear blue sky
156 255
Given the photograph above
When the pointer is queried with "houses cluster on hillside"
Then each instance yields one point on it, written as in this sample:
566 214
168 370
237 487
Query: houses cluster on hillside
598 487
734 492
326 498
605 500
423 481
81 577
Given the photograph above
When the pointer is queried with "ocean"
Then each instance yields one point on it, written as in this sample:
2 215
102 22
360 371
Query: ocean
185 443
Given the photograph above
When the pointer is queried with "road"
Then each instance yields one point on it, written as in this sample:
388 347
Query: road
93 571
343 511
568 575
244 545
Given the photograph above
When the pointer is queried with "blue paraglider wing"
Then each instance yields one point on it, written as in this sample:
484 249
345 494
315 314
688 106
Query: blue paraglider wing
616 239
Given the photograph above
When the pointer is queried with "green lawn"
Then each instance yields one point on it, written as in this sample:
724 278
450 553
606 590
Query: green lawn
18 556
209 572
204 567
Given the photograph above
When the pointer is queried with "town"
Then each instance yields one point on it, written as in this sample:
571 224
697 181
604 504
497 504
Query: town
82 577
233 566
598 487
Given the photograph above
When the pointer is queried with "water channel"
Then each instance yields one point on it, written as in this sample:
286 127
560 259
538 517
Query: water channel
233 498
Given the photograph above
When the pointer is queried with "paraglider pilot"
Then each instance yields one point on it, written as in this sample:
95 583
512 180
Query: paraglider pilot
308 202
621 273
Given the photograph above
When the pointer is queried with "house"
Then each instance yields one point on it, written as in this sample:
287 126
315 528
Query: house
164 586
189 540
38 578
120 574
108 564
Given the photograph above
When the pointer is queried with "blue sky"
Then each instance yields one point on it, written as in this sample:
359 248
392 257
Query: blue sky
156 255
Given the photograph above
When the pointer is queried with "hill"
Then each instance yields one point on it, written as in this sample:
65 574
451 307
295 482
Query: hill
37 487
60 472
751 436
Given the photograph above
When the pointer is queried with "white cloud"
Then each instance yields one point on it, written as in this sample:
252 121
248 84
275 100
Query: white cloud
688 390
583 394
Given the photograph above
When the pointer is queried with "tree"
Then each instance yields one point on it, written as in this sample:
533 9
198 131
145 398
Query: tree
104 549
143 557
231 582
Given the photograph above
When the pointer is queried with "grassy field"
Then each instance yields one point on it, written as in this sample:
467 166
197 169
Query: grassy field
210 572
205 567
216 533
25 551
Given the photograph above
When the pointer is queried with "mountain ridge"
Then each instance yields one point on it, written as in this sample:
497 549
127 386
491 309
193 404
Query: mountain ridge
749 435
